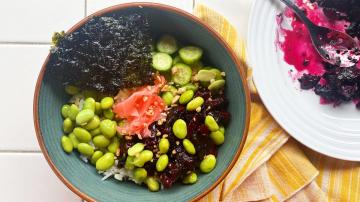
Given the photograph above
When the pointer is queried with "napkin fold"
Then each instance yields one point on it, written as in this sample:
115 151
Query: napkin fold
273 166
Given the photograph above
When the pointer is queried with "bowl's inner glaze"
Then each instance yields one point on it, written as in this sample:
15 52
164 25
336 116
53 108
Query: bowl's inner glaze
84 176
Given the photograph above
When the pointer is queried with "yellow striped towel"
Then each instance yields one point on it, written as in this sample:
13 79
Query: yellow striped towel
272 166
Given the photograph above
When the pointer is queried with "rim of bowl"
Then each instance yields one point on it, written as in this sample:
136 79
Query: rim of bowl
185 14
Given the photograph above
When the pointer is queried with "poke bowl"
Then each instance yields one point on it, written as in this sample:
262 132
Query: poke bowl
141 102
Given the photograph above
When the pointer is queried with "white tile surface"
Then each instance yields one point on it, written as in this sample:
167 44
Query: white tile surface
95 5
27 177
19 65
35 20
236 11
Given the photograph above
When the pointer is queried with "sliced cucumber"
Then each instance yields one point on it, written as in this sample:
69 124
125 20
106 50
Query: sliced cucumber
167 44
190 54
181 74
161 62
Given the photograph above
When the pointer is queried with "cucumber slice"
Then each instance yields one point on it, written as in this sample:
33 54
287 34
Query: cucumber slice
167 44
181 73
161 62
190 54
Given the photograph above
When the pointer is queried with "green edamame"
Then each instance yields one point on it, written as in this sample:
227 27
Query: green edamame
190 86
222 129
68 125
89 103
162 162
140 174
74 140
96 155
208 163
84 116
114 145
190 178
217 137
89 93
164 145
82 135
186 96
152 184
129 163
72 90
95 132
107 102
205 75
105 162
108 128
211 123
65 110
136 149
167 98
73 112
180 129
216 85
85 149
93 123
195 103
101 141
189 146
143 157
66 144
108 114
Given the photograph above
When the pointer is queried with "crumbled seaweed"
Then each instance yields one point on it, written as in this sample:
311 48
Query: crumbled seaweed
106 54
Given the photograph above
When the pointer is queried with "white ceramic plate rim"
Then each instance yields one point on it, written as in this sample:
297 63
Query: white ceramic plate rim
337 135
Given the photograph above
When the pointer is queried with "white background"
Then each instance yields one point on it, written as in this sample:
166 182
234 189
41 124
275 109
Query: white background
25 33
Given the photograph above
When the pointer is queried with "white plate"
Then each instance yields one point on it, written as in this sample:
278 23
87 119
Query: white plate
332 131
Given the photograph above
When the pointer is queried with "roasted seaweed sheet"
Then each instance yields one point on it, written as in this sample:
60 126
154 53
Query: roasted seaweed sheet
106 54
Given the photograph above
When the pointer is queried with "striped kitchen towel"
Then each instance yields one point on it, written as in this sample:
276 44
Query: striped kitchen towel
273 166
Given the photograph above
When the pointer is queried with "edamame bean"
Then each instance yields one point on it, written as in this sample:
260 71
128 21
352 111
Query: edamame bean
143 157
66 144
114 145
190 178
108 114
108 128
73 112
107 102
98 108
222 129
140 174
189 146
96 155
211 123
95 132
205 75
82 135
152 184
180 129
72 90
84 116
85 149
190 86
101 141
217 137
89 93
167 98
74 140
68 125
186 97
217 72
164 145
208 163
65 111
89 103
216 85
129 163
162 162
136 149
105 162
195 103
93 123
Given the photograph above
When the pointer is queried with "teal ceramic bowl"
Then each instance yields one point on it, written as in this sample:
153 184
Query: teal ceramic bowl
82 178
